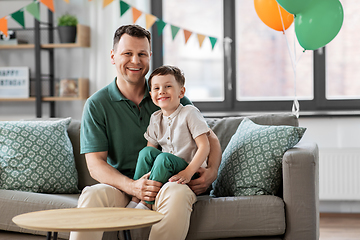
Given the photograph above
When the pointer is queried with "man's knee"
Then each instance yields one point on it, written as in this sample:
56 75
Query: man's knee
175 194
102 195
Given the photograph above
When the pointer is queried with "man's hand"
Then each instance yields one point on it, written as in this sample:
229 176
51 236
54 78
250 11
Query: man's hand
145 189
201 184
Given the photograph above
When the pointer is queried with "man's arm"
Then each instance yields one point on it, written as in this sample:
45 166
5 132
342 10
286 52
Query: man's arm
101 171
208 174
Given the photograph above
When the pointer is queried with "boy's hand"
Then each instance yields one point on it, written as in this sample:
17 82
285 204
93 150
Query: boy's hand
182 177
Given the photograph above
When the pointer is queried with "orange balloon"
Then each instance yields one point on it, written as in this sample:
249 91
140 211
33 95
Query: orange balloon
268 12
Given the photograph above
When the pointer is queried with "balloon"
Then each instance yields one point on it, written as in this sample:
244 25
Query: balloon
268 12
318 25
296 6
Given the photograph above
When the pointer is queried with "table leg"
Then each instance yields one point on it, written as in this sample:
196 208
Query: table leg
127 235
49 234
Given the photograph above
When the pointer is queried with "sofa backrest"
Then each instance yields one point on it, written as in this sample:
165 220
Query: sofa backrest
224 128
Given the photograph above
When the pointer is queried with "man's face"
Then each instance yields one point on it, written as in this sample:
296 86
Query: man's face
131 58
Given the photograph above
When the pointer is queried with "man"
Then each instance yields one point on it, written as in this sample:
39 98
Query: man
113 123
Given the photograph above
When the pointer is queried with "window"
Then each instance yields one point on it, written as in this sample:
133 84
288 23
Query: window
259 75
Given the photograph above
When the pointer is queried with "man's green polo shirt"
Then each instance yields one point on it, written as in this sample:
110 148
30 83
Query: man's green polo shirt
112 123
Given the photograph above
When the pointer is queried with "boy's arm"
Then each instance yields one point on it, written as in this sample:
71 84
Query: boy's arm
208 174
201 154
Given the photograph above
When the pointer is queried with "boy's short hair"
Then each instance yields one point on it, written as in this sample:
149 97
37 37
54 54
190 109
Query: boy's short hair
132 30
168 70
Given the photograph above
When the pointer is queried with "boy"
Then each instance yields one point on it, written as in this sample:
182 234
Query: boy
181 131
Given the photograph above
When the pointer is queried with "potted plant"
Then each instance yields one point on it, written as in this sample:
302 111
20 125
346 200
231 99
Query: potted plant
67 28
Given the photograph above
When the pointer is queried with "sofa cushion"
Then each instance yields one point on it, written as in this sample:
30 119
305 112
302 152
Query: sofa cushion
13 203
251 163
227 217
37 156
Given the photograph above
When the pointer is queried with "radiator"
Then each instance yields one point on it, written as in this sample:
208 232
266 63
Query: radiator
339 173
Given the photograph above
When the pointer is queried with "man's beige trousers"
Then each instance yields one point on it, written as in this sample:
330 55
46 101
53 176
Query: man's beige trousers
173 200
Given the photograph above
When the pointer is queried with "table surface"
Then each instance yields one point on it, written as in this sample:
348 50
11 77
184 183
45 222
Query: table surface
87 219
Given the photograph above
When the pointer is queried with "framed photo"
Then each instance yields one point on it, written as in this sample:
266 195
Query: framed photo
68 88
14 82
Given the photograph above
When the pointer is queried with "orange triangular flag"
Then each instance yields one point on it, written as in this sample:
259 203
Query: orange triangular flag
49 4
187 35
4 26
68 1
107 2
150 20
136 14
201 39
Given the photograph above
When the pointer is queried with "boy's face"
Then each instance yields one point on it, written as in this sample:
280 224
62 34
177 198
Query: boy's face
166 93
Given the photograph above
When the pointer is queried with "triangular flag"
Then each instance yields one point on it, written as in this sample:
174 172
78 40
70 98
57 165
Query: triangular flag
174 31
150 20
187 35
4 26
49 4
68 1
19 17
123 7
136 14
213 41
160 26
107 2
201 39
33 9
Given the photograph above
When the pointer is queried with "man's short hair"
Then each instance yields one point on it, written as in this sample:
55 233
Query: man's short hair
132 30
168 70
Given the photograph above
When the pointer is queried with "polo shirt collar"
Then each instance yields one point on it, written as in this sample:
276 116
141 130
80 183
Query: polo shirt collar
175 113
116 95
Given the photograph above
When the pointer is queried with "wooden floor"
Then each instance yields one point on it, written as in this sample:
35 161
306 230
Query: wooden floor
339 226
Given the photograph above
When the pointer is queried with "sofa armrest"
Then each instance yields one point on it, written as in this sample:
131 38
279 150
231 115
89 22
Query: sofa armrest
301 191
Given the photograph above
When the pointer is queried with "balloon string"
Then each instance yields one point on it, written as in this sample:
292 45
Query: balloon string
296 105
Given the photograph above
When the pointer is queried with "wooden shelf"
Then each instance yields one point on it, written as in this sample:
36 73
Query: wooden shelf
83 89
83 40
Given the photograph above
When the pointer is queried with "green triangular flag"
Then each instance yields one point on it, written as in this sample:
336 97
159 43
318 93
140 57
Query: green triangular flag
19 17
174 31
33 9
123 7
213 41
160 26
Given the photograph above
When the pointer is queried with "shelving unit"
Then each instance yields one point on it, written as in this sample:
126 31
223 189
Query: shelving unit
83 40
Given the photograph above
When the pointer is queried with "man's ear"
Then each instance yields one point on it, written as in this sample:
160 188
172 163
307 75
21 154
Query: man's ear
112 55
182 92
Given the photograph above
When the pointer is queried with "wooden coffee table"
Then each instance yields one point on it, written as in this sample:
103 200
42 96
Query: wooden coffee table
87 219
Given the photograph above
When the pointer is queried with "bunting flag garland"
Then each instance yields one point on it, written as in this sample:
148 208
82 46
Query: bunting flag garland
49 4
33 9
201 39
107 2
150 20
4 26
160 26
123 7
174 31
136 14
19 17
187 35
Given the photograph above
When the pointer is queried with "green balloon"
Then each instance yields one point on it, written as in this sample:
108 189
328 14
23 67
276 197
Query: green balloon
318 25
296 6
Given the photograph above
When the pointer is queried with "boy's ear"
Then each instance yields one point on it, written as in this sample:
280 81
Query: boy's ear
182 92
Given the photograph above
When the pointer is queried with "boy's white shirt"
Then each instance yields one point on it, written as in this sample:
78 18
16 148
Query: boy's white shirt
176 133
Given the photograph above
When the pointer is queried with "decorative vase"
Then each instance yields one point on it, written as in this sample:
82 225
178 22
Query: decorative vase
67 34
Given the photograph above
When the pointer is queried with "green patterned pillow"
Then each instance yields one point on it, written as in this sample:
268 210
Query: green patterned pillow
37 156
252 161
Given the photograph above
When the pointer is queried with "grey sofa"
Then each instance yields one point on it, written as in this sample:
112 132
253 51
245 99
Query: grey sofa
292 215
